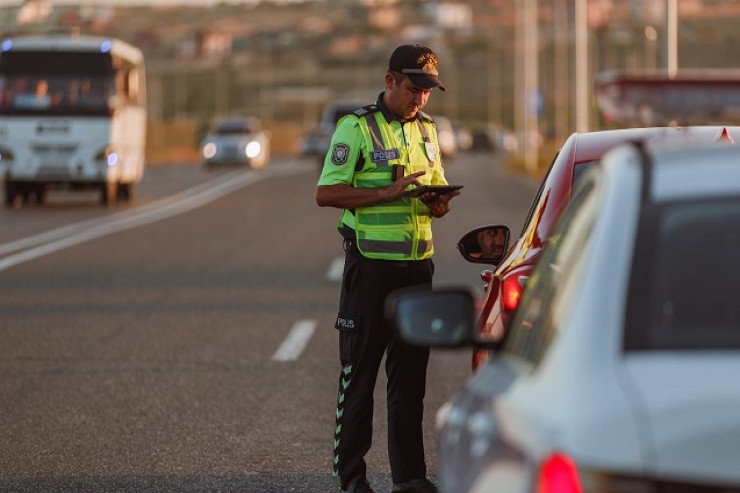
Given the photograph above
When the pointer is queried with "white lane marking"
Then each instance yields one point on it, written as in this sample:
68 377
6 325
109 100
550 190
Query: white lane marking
74 234
296 341
71 229
336 270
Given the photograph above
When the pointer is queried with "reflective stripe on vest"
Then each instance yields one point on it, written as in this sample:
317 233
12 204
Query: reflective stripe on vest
398 247
400 229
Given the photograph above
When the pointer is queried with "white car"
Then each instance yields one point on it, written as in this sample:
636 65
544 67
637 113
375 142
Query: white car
446 136
620 371
236 141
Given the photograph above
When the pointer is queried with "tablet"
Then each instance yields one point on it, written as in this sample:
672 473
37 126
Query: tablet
438 189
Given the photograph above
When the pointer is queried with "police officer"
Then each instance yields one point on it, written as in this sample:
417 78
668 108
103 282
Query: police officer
376 153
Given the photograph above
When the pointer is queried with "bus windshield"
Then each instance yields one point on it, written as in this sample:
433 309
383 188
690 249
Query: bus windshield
68 95
33 83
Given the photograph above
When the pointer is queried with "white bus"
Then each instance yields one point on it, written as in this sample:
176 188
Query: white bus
72 115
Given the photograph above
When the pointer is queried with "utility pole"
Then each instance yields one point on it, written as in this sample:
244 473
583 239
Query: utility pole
583 95
531 87
493 91
221 100
670 52
561 68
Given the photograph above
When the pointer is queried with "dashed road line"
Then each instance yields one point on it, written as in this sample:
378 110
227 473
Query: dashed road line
336 270
296 341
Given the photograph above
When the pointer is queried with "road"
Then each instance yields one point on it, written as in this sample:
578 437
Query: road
184 342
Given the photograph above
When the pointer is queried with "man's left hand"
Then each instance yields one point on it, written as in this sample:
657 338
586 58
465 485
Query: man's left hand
438 204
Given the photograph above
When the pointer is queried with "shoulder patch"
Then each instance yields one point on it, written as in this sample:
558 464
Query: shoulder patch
339 154
366 110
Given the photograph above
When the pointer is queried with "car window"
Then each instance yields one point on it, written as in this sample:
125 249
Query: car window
533 206
578 170
581 168
688 293
553 284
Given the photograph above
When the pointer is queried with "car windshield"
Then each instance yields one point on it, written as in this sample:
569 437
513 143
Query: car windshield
233 127
691 290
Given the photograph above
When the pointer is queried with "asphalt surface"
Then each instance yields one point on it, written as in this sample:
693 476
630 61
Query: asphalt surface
138 341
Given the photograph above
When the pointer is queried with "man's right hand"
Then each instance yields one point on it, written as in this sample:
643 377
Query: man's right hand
395 190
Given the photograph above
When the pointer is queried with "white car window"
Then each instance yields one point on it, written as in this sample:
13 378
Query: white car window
549 293
690 298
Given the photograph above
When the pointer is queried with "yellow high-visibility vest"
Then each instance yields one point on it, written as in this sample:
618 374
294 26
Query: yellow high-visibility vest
400 229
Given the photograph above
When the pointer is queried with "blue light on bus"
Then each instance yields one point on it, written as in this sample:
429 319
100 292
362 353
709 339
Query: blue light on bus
112 159
7 45
105 46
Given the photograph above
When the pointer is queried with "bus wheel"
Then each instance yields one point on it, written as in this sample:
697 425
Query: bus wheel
125 192
39 195
11 191
108 193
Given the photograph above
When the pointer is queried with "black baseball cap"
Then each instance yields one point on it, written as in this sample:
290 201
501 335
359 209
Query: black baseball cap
419 63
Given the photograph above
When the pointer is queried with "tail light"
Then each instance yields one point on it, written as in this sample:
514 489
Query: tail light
559 475
512 292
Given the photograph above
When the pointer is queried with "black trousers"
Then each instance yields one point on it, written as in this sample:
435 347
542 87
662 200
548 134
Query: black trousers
363 339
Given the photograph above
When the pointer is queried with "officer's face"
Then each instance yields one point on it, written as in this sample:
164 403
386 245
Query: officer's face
405 99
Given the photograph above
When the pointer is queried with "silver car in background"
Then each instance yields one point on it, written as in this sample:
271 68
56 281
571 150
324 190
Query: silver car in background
316 143
235 141
621 368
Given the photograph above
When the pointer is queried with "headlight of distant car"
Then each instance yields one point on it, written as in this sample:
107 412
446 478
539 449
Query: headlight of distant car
253 149
209 150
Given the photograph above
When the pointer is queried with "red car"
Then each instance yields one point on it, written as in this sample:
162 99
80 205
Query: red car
505 284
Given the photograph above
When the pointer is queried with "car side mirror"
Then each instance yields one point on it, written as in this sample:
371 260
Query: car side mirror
440 318
485 245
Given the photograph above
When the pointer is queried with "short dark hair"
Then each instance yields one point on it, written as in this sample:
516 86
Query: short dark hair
398 77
